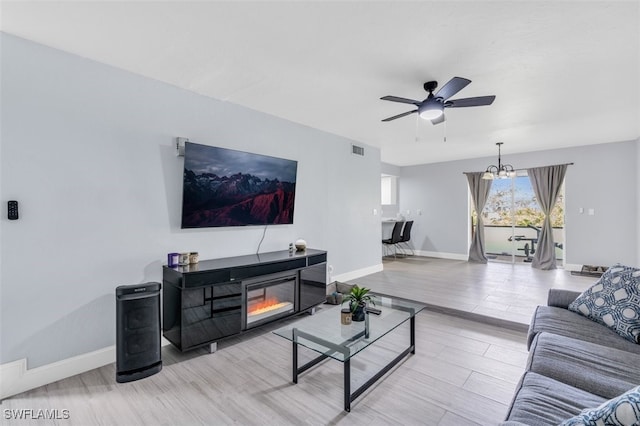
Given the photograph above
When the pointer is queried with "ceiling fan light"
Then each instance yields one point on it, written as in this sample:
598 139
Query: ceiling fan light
431 109
430 114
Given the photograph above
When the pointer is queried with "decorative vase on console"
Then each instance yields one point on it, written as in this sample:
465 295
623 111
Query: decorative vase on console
358 299
301 245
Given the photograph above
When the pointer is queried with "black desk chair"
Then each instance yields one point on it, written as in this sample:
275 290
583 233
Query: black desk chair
396 237
406 237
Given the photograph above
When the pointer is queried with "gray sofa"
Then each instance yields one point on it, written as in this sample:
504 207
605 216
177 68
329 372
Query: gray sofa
574 363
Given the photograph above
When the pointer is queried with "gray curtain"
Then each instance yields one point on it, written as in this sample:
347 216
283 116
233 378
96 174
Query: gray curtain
546 183
479 193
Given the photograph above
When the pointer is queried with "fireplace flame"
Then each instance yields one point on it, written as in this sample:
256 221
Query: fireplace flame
267 305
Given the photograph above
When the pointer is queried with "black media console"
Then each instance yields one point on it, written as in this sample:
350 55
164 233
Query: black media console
213 299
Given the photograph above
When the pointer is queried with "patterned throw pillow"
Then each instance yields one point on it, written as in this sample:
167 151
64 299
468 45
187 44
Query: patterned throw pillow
614 301
623 410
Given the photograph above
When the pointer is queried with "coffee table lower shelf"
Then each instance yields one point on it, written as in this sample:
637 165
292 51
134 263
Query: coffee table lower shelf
349 396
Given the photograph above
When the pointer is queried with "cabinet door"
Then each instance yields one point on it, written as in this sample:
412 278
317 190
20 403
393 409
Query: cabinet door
207 317
313 285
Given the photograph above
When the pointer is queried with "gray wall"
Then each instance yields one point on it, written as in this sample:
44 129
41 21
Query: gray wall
88 152
390 169
604 177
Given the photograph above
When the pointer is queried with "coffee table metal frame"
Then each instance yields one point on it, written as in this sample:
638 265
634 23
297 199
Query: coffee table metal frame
332 347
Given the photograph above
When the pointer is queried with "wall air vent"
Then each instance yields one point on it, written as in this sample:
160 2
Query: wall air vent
357 150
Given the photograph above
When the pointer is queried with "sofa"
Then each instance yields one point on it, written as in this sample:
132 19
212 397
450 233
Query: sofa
574 364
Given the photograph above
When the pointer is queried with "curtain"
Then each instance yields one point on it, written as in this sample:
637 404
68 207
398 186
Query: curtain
546 183
479 193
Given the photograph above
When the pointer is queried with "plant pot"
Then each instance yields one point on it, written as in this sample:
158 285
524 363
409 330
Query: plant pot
358 314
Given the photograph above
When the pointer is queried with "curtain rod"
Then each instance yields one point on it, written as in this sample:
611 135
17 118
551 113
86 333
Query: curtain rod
517 170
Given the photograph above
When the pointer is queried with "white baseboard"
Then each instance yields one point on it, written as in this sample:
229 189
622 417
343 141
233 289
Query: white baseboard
572 267
357 273
442 255
16 377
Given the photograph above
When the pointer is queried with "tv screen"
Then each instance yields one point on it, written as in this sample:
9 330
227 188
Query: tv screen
225 187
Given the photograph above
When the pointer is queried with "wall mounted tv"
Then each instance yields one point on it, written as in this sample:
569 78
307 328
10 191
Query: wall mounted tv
225 187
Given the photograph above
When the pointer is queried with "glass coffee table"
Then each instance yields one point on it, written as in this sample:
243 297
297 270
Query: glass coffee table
325 334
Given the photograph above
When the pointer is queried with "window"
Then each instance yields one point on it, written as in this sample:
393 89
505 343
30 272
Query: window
513 219
388 190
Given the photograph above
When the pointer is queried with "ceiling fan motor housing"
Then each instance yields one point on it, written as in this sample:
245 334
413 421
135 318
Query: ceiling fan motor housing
430 86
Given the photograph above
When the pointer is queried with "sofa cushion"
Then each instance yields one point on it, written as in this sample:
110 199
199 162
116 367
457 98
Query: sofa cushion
597 369
567 323
540 400
623 410
561 298
614 301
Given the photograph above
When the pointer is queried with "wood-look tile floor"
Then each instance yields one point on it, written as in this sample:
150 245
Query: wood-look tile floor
464 372
500 292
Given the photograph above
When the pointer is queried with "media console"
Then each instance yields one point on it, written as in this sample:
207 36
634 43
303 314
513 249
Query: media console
213 299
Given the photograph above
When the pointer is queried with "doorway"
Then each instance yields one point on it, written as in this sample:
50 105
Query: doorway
513 220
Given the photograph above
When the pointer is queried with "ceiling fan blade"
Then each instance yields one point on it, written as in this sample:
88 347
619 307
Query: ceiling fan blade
400 115
470 102
398 99
452 87
438 120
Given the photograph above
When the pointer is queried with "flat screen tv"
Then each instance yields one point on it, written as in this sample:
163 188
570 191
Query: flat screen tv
225 187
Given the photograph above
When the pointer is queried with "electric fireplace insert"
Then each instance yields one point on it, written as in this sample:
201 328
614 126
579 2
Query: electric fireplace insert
269 297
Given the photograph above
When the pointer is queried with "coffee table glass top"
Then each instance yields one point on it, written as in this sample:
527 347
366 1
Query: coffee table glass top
323 332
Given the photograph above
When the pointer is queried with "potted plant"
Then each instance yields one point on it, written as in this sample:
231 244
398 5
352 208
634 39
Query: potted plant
358 298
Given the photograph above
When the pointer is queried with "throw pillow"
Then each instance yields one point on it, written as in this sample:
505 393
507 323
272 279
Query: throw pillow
623 410
614 301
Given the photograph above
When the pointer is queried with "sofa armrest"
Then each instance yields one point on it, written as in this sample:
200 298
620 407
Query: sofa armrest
561 298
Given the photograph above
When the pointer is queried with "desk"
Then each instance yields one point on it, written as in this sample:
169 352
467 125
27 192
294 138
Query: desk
387 227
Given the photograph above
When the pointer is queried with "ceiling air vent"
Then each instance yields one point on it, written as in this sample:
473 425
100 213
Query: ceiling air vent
357 150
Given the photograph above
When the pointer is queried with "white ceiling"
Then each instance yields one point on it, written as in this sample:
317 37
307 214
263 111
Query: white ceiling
564 73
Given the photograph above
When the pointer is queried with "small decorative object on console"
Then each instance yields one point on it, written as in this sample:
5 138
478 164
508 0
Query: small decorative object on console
184 259
173 259
193 257
301 245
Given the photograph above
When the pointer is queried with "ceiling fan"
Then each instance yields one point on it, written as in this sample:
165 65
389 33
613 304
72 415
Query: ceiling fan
432 108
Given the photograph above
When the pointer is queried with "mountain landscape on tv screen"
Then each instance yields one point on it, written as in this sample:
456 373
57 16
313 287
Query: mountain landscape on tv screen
210 200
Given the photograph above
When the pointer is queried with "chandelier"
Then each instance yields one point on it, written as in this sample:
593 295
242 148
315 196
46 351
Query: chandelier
501 171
